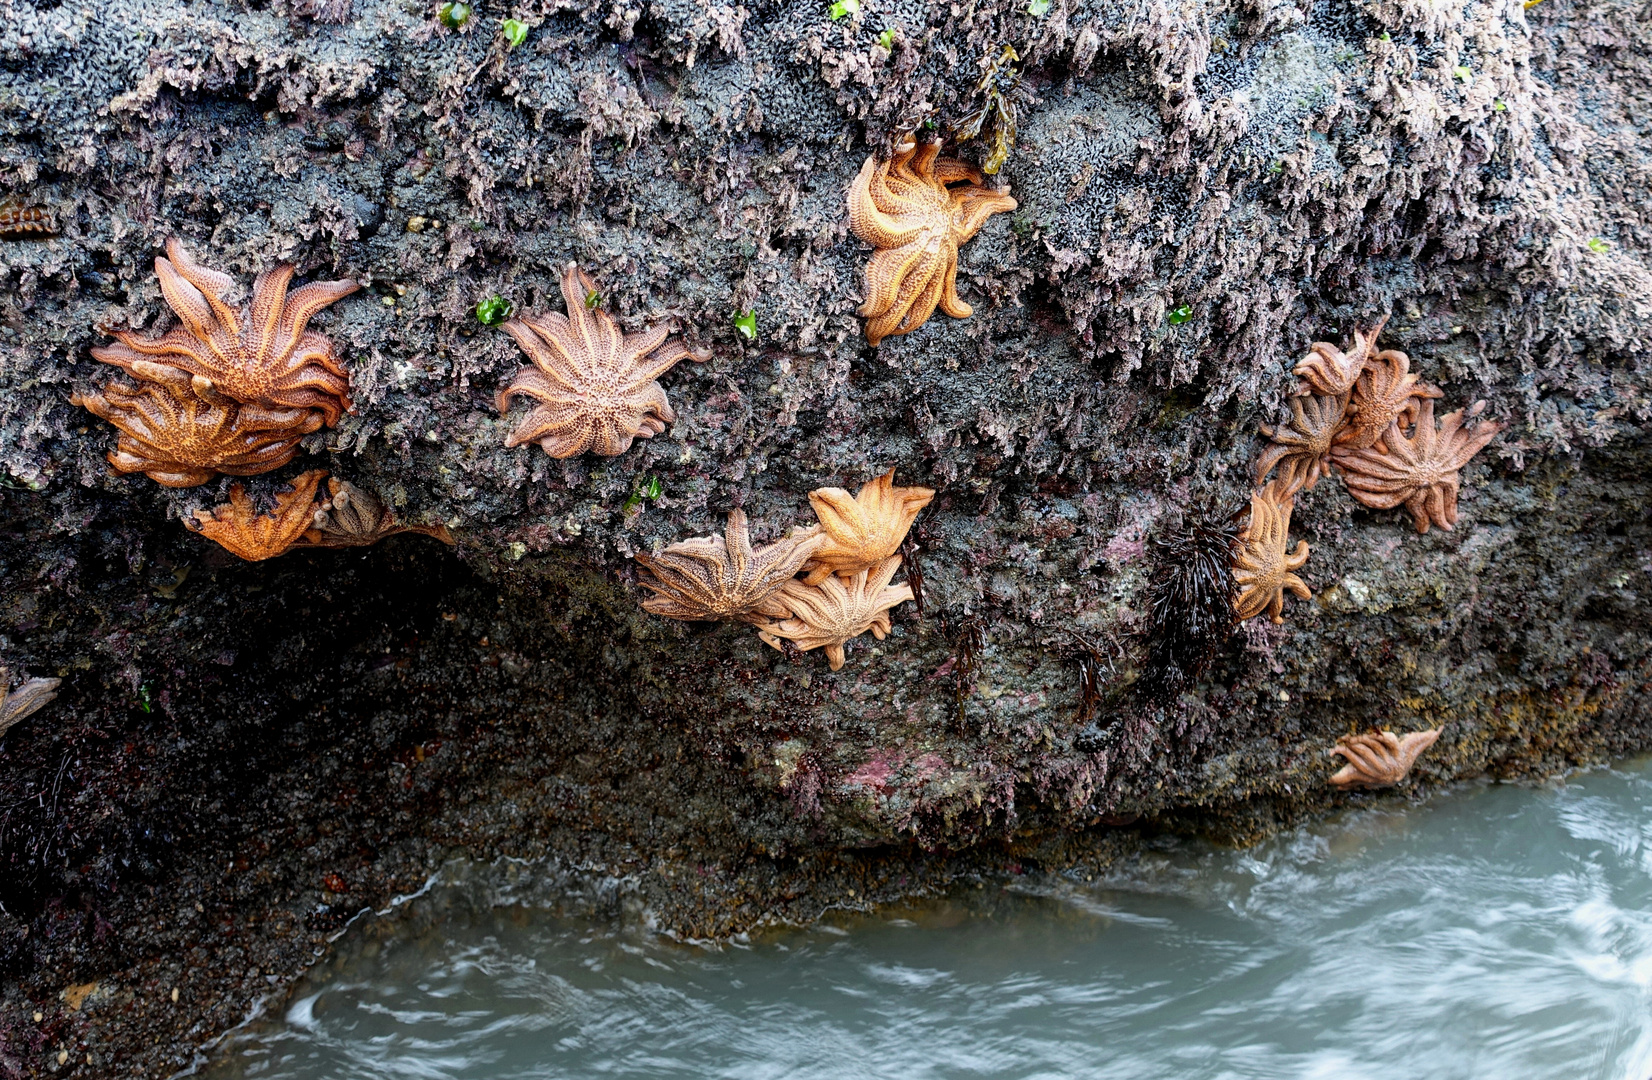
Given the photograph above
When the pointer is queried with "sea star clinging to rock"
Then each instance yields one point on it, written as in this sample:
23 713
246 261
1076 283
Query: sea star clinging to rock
865 529
1329 371
240 528
1302 448
595 385
1380 758
905 209
721 577
354 517
259 355
1387 392
1263 568
836 610
179 439
1421 470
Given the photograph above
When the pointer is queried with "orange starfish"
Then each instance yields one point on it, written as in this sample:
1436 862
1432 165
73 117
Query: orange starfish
595 386
181 440
865 529
837 610
260 355
904 208
1263 567
240 528
1330 371
721 577
1385 393
354 517
1302 448
1420 471
1379 759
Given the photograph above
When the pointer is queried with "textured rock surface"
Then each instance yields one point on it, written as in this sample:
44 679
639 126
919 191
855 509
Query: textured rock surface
242 755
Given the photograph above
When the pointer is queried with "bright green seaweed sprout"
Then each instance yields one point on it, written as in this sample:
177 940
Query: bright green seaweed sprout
515 32
746 323
643 491
1599 246
1038 8
453 14
494 310
1179 314
844 7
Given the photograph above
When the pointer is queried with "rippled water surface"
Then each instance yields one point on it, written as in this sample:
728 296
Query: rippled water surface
1494 932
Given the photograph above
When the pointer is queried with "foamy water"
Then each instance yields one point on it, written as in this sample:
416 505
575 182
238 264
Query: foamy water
1494 932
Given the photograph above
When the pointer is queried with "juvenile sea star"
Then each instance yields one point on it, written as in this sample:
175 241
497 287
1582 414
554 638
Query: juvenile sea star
595 385
836 610
904 208
1263 568
1420 471
865 529
1379 759
260 355
713 577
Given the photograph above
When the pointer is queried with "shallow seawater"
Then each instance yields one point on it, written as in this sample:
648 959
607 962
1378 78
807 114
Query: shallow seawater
1496 931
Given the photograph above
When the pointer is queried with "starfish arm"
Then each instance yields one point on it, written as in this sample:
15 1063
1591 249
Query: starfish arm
547 353
269 296
979 204
870 223
1296 587
834 655
886 273
298 308
923 302
896 319
209 284
207 320
952 171
564 424
663 359
951 302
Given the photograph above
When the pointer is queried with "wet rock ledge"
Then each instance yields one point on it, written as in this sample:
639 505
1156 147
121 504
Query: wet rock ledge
243 755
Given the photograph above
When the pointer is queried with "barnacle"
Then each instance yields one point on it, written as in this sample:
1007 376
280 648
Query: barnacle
904 208
721 577
865 529
1380 758
20 220
24 701
1385 393
180 439
594 384
1419 471
240 528
355 517
1330 371
1192 613
260 355
1263 568
1302 448
838 609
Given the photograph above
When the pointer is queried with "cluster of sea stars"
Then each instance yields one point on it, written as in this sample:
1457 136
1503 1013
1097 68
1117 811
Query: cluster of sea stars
1366 414
347 516
224 391
847 561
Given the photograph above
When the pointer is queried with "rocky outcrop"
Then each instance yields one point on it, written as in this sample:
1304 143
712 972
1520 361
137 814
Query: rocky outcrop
242 755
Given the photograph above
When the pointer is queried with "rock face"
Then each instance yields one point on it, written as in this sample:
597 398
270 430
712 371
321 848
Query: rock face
243 755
